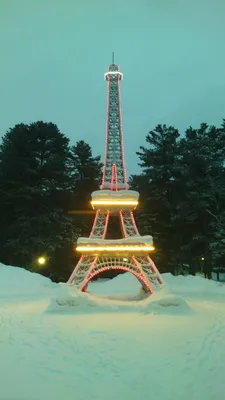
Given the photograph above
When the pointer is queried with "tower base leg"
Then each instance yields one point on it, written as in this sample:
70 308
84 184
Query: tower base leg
142 268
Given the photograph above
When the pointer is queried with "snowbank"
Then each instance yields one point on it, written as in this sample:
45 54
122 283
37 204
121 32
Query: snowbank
123 283
70 300
195 287
218 277
168 346
15 281
122 294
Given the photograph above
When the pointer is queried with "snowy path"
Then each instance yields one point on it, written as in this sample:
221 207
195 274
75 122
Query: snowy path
111 356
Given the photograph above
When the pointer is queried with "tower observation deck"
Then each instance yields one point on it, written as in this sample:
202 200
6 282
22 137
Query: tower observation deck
130 253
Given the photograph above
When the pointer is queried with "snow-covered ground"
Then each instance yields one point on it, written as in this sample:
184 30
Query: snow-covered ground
56 343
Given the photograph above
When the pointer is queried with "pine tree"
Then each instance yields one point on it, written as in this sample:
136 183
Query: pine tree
183 195
217 212
85 175
201 175
157 187
33 177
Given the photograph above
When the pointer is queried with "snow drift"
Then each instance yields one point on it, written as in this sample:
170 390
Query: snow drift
15 281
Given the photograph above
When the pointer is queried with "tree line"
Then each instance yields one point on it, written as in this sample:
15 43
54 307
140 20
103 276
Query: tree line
46 183
45 186
182 187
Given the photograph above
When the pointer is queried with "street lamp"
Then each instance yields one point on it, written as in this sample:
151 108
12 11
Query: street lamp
41 260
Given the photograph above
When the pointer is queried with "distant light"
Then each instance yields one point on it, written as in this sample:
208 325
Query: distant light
41 260
124 259
203 258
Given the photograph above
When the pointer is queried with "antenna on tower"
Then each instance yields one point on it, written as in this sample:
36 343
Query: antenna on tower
113 57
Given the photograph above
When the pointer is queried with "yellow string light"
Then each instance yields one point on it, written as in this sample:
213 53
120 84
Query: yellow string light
115 248
116 202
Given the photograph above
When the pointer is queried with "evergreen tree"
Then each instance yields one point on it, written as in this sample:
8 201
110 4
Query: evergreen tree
85 170
201 173
217 212
85 176
183 195
158 190
33 176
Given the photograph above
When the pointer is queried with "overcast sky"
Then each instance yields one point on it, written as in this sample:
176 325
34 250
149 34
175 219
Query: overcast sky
54 53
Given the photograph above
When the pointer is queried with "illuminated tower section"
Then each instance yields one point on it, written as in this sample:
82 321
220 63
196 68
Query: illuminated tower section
114 171
131 252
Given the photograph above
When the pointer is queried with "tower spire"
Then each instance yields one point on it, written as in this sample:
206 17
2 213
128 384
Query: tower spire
114 170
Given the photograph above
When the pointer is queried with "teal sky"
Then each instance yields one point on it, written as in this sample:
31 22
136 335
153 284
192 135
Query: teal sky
54 53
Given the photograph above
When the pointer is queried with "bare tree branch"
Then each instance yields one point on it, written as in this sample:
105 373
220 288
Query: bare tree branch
213 215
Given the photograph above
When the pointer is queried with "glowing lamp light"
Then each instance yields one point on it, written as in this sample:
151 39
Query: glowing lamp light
203 258
41 260
115 248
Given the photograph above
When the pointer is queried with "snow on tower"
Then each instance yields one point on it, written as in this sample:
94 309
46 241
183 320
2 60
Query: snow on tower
131 252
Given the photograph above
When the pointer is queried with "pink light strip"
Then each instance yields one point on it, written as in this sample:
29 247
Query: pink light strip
141 272
155 269
73 273
84 284
121 132
122 224
94 223
106 225
112 176
134 223
107 132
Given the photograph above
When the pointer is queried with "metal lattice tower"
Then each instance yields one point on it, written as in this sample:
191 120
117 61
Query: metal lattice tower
131 252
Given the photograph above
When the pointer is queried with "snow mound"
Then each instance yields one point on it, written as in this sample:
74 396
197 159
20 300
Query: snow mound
15 281
174 297
195 287
70 300
123 283
119 295
167 304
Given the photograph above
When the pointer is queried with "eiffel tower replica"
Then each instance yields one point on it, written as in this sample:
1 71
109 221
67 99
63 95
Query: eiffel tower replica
131 253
